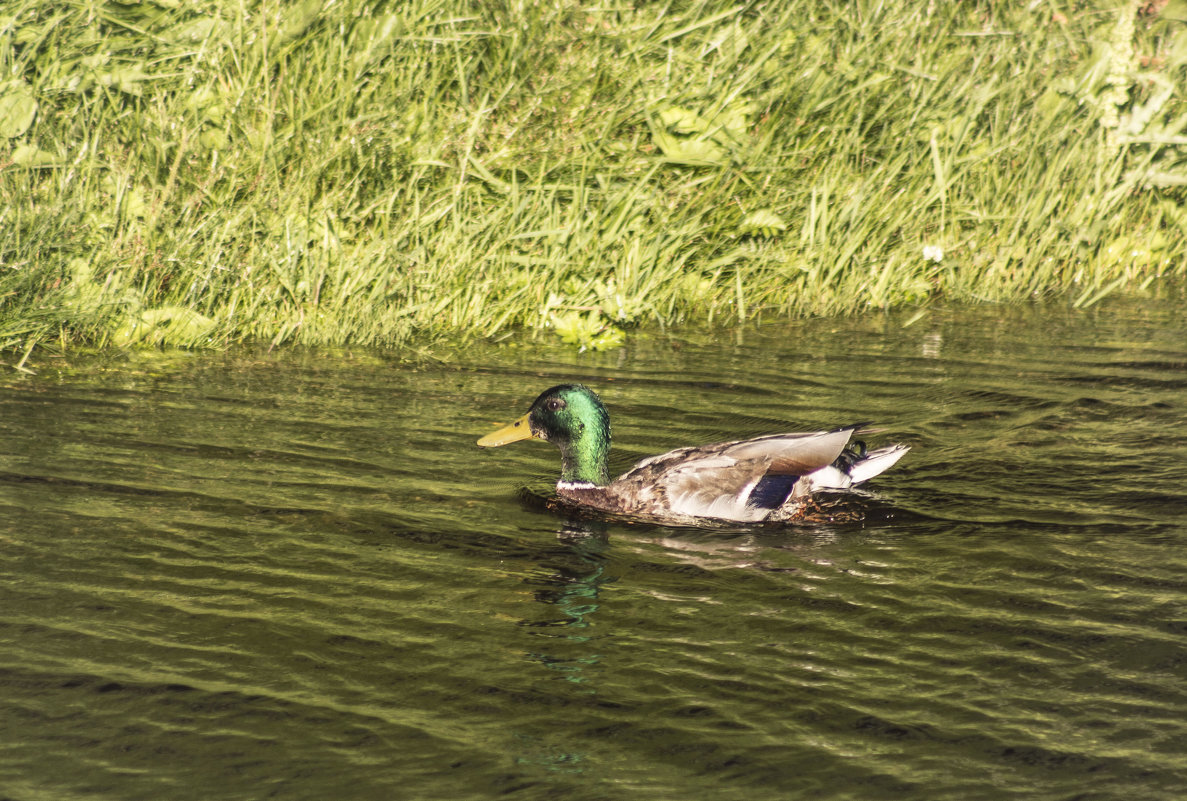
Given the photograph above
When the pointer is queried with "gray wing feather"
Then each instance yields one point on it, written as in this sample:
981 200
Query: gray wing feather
716 480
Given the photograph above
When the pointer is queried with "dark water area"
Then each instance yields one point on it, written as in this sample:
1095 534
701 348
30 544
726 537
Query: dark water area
294 576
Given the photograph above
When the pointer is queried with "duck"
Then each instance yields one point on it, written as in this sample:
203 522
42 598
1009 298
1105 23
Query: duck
771 478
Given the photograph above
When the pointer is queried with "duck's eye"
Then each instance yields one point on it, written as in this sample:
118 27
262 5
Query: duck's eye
554 404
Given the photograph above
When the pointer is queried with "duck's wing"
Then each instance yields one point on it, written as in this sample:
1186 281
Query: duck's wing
729 480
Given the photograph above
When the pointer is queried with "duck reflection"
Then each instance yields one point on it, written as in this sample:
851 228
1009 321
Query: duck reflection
569 580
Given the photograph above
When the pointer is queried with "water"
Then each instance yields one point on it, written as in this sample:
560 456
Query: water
293 576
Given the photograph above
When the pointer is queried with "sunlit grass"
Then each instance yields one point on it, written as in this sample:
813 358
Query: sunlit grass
378 173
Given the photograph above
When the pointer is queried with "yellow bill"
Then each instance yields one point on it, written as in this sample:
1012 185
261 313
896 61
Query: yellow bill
520 429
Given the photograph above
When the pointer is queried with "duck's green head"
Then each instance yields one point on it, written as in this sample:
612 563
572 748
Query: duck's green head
571 417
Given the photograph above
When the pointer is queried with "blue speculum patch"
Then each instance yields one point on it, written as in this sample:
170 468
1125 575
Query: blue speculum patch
771 491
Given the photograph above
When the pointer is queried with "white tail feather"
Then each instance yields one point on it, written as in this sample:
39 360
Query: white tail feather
875 462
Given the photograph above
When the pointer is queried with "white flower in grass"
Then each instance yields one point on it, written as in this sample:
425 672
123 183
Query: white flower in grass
933 253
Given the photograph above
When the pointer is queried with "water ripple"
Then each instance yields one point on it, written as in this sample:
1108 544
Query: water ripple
292 576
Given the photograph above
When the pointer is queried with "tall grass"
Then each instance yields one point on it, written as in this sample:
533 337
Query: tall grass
356 171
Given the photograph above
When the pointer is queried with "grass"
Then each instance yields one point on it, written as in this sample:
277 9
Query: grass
334 172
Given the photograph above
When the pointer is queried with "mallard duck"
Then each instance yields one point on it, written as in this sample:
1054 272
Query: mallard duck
764 479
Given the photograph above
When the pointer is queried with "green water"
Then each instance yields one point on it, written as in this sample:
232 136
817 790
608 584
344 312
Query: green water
293 576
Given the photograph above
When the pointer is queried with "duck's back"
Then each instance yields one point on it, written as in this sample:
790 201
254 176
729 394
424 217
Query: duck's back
743 481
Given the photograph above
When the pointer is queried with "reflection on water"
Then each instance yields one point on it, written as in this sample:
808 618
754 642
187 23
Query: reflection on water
293 575
570 581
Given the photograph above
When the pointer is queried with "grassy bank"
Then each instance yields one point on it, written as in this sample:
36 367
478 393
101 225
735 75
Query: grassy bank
373 173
